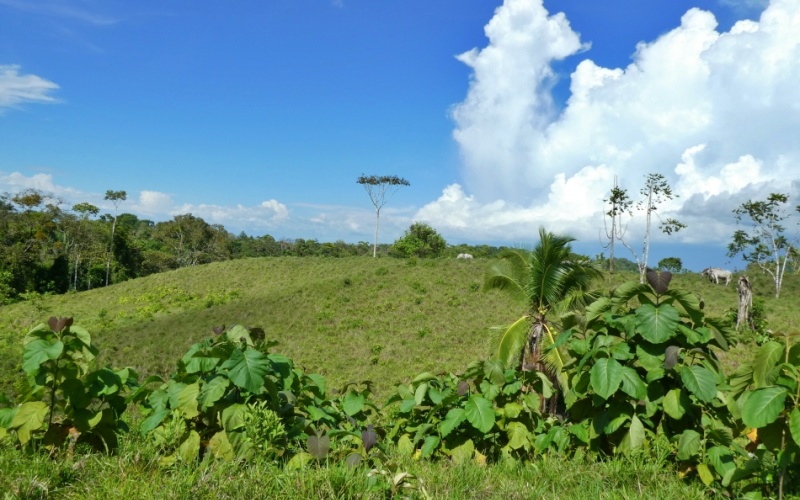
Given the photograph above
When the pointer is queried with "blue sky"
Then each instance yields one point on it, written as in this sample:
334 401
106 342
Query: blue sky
503 115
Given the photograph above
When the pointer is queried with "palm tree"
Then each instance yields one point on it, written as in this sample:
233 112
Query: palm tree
553 282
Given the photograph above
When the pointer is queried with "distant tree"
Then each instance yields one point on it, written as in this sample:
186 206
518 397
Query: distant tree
115 197
380 190
619 204
192 241
673 264
764 242
420 240
656 190
82 237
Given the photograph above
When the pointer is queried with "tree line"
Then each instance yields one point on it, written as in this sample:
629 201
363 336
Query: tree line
47 247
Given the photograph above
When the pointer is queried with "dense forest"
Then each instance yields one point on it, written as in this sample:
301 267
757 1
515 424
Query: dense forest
46 248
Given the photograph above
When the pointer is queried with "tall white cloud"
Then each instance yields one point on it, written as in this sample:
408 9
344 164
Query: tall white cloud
716 113
17 89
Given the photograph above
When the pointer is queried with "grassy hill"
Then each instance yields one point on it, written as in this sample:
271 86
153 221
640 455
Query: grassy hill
350 319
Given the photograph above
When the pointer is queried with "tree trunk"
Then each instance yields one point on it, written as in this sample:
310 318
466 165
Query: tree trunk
377 221
745 303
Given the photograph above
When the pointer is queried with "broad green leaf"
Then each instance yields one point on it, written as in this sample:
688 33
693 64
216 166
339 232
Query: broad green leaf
721 435
794 425
233 417
29 418
239 334
480 413
6 417
676 404
189 449
419 393
517 435
317 414
632 384
657 324
353 403
650 357
700 382
606 377
319 381
81 334
688 444
634 438
299 461
220 447
435 395
763 406
405 446
618 414
187 401
766 359
494 370
153 421
512 410
690 303
213 390
407 405
722 460
429 445
38 352
423 377
85 420
705 474
463 453
453 419
247 369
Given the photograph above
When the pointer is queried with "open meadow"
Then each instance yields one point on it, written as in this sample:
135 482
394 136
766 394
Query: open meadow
350 320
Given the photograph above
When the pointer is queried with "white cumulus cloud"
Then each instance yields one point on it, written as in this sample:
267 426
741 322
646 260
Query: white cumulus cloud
716 113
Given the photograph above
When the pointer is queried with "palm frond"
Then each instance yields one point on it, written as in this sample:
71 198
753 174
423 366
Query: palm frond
508 346
554 359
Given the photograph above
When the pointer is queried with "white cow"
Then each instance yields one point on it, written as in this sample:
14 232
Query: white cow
464 256
715 274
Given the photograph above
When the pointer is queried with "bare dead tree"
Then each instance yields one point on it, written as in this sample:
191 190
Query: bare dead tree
745 303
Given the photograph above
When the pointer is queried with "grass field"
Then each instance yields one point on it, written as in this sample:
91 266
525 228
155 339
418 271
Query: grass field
350 319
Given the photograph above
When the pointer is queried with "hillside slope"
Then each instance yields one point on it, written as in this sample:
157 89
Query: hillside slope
350 319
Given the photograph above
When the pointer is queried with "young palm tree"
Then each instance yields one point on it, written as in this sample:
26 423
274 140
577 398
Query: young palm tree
552 282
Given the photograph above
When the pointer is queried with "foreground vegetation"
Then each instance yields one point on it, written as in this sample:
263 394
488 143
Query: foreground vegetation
683 431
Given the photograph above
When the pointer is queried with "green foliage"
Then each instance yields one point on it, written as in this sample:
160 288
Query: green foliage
488 412
767 392
65 399
763 241
420 240
246 402
672 264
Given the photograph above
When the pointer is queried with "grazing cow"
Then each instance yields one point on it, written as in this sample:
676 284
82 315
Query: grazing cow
715 274
464 256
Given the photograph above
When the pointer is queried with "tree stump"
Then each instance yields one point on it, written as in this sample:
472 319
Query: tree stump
745 303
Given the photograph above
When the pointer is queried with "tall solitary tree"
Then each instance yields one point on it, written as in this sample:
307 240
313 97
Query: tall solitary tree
764 242
656 190
115 197
380 189
619 204
552 282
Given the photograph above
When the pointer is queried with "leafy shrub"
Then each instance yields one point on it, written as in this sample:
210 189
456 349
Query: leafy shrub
644 367
64 399
486 413
233 399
